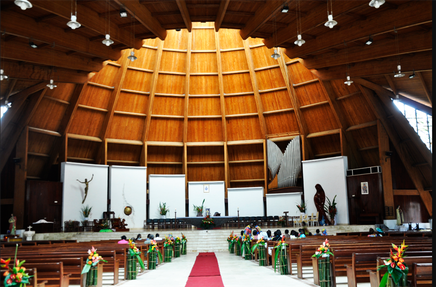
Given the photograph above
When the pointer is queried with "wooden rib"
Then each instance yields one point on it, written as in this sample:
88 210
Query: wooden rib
112 63
205 96
169 95
80 159
247 180
391 84
246 161
328 154
323 133
305 83
92 108
164 162
172 73
9 89
236 72
278 111
202 28
361 126
130 114
406 192
217 143
206 162
141 69
414 174
205 117
38 154
186 109
306 147
425 87
314 105
257 98
123 161
135 92
221 13
266 67
368 148
347 96
84 137
272 90
158 143
185 14
203 51
56 100
242 115
243 142
385 164
168 116
232 49
174 50
281 138
19 190
294 61
8 141
204 74
238 94
149 47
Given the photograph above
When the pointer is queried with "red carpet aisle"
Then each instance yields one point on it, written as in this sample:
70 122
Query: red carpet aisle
205 271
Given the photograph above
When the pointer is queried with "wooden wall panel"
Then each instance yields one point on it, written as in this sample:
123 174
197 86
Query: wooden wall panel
201 85
35 165
255 41
87 122
168 106
246 171
56 111
230 38
281 123
40 143
365 137
151 42
299 73
130 102
170 84
269 79
173 62
246 128
123 152
234 61
82 149
319 118
356 110
204 130
262 57
165 153
247 184
202 24
166 130
205 153
326 144
203 63
207 172
341 89
95 97
164 169
411 206
237 83
176 39
137 80
310 94
240 105
276 100
106 76
146 58
126 127
204 106
203 39
370 157
245 152
64 91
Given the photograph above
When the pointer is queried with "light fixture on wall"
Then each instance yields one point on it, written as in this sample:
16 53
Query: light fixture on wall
132 56
51 85
73 24
299 40
369 41
285 8
107 38
330 22
123 12
413 75
23 4
376 3
276 55
399 74
3 76
348 81
32 44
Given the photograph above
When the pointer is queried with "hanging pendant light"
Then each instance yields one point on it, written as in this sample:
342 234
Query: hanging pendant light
276 55
51 85
330 23
107 41
132 56
348 81
399 74
23 4
376 3
299 41
2 75
73 24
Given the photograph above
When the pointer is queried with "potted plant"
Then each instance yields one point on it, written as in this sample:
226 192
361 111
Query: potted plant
163 210
330 209
86 211
199 209
302 207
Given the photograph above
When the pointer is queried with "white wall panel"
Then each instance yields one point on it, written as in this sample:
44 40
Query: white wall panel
214 198
249 200
277 203
168 188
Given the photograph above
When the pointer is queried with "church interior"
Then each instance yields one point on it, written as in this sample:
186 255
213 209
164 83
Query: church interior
125 104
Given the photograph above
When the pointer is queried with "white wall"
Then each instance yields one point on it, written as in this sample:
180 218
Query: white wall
249 200
128 187
73 191
331 174
169 188
214 199
277 203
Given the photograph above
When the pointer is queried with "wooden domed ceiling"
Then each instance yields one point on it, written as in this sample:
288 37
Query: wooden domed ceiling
202 100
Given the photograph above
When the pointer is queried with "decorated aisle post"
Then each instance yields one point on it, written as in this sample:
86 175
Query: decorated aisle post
238 246
184 240
246 246
132 259
177 247
15 276
168 249
281 257
90 267
153 253
260 246
231 241
324 266
397 269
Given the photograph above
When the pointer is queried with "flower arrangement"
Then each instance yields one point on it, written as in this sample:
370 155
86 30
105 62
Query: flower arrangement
230 238
92 260
199 208
15 276
86 211
168 249
177 245
323 250
153 250
207 222
246 242
184 240
302 207
260 245
397 269
330 208
134 252
281 257
238 243
163 208
281 221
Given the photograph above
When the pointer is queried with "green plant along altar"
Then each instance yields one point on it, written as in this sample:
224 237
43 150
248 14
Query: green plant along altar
324 266
153 253
302 207
184 240
91 267
246 246
86 211
281 257
163 209
133 257
397 269
199 208
177 247
168 249
207 222
261 249
330 209
15 276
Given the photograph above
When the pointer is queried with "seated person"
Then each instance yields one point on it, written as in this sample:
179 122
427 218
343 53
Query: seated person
294 233
261 234
157 237
217 214
123 240
287 236
317 232
268 233
255 234
138 237
324 232
277 235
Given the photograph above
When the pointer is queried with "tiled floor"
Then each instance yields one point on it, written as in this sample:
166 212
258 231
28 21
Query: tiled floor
234 270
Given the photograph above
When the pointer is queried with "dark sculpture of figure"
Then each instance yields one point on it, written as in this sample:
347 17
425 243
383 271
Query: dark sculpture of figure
86 182
319 200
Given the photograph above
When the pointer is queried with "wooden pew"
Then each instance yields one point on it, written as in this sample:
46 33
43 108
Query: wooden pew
53 273
33 280
422 274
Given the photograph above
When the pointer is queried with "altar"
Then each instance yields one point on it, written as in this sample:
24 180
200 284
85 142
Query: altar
218 220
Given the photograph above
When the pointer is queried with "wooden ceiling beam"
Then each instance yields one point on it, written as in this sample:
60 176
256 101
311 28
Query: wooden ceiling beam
165 13
19 52
20 25
143 15
407 15
417 61
185 14
221 13
425 87
89 19
262 15
413 42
